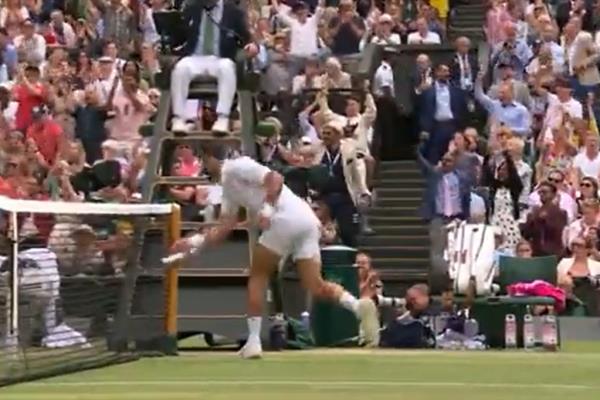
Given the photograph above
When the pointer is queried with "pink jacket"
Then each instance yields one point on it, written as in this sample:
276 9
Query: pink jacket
540 288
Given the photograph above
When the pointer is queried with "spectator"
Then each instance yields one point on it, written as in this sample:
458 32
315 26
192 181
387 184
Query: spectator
31 47
519 88
346 189
383 32
583 59
310 79
423 35
545 224
383 81
447 105
563 198
505 111
515 149
423 77
524 249
47 135
334 77
118 23
303 30
464 67
505 191
346 30
329 230
512 51
574 272
587 162
588 190
583 226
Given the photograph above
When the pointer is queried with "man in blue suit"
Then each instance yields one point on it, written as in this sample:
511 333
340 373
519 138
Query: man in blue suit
442 112
216 29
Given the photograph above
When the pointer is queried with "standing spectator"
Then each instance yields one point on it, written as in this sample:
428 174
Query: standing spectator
583 61
47 135
423 35
346 30
31 47
8 52
516 147
303 30
64 33
132 109
346 189
118 24
505 191
12 15
464 67
383 32
443 109
561 109
587 162
512 51
310 79
545 224
89 125
29 92
519 88
505 111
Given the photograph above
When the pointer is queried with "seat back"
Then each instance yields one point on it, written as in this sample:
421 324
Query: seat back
516 269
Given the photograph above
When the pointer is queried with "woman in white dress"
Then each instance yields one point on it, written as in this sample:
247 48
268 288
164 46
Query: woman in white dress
505 189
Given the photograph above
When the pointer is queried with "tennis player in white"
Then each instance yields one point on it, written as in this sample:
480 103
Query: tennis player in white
289 228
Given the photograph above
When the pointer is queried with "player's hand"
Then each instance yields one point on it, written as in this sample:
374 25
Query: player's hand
264 222
181 246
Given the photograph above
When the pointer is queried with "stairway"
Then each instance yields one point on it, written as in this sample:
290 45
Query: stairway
466 20
400 247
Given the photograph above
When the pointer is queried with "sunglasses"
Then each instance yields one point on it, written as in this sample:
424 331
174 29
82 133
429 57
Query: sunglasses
586 185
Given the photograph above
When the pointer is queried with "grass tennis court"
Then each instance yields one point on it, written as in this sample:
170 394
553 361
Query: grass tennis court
335 374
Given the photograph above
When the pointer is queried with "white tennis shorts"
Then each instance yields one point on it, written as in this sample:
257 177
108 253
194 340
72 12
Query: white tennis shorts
293 232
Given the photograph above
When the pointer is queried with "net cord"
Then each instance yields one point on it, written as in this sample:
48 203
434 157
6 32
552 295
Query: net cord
74 208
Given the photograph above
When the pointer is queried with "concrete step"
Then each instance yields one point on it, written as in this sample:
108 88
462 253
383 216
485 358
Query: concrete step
409 201
398 166
394 240
392 220
403 182
403 230
402 211
400 192
408 173
397 251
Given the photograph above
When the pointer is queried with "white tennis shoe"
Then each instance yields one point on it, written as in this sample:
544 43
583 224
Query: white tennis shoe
252 350
369 322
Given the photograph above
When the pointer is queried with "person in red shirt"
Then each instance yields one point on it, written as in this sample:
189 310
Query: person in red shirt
29 92
47 135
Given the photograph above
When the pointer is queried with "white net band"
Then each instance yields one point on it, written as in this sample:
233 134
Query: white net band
72 208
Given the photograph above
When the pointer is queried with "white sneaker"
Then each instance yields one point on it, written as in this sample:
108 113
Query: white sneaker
221 126
252 350
179 125
369 322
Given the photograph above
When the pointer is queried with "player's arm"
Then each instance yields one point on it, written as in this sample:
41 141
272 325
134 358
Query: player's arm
273 183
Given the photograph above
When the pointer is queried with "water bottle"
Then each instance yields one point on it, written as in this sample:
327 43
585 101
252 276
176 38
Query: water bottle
510 331
528 332
550 333
305 320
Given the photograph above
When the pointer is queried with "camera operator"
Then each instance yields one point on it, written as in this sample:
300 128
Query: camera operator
216 29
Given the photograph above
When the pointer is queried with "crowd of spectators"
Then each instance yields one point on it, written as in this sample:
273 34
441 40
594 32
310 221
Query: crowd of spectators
532 171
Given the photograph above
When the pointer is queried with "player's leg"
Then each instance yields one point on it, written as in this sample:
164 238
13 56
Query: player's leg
306 253
264 262
364 309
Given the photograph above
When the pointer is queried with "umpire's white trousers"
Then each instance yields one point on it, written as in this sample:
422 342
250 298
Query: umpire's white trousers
191 67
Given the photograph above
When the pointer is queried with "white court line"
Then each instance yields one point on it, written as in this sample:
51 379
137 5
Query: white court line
323 384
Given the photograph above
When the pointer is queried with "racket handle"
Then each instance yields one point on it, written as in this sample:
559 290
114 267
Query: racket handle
173 258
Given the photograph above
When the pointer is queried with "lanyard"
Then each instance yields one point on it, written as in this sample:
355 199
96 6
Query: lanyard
331 161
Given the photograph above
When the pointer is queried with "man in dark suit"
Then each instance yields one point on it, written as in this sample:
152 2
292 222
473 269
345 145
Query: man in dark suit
442 112
464 66
571 8
216 29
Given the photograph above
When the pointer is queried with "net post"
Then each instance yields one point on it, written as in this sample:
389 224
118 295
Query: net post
172 282
12 334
